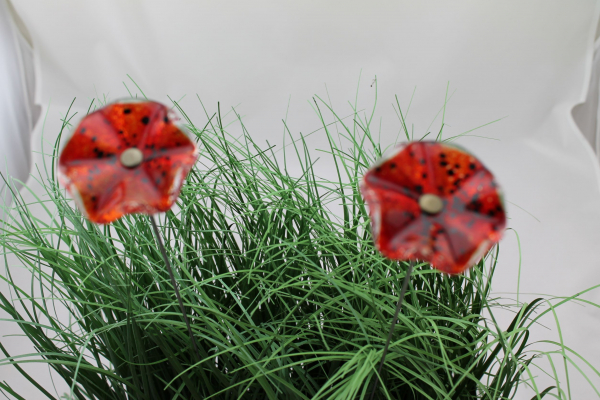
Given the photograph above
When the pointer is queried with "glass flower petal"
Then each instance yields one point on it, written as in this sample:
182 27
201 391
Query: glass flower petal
93 167
435 202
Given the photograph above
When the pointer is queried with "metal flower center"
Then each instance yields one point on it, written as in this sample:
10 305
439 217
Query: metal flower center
430 203
132 157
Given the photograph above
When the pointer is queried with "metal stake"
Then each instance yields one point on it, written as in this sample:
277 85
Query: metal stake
174 283
398 308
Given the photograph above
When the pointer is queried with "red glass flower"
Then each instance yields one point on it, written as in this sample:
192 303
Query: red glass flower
434 202
128 157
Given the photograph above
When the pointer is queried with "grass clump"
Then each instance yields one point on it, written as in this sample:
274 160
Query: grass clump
287 296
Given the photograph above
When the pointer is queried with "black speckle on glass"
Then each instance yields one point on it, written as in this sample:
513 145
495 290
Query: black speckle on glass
443 163
378 169
145 120
423 162
94 138
457 165
419 189
424 175
166 120
475 205
127 111
82 130
450 172
472 166
393 165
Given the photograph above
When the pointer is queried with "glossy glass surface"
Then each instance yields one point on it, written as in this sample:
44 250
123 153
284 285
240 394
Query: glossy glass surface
90 164
472 218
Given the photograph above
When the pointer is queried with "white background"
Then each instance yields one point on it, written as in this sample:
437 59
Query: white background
526 61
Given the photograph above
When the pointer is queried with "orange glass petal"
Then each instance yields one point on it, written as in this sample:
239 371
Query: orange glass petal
472 217
91 169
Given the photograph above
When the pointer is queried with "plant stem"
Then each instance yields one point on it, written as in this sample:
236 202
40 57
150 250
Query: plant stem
174 283
398 308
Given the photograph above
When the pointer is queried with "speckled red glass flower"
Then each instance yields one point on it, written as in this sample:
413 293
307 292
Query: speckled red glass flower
128 157
435 202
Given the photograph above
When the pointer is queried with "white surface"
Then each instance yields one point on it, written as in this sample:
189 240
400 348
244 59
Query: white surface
16 100
586 114
529 61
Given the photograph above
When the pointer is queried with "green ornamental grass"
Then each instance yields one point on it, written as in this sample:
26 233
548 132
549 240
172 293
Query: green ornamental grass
287 296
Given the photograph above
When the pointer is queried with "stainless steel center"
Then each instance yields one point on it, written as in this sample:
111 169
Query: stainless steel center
132 157
430 203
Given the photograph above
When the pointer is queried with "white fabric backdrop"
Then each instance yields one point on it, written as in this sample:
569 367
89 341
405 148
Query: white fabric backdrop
586 114
530 62
17 110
